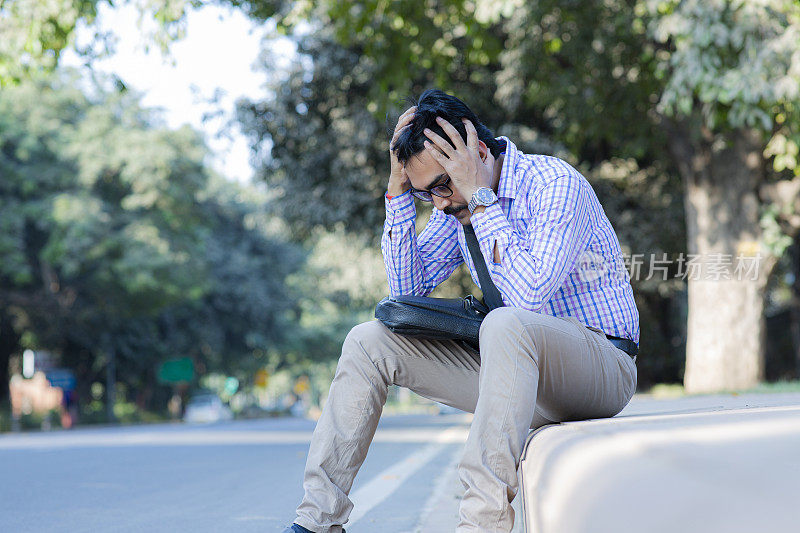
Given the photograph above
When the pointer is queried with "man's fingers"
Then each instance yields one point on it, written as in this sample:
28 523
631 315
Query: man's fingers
472 134
403 122
397 133
443 145
433 150
406 117
410 110
451 132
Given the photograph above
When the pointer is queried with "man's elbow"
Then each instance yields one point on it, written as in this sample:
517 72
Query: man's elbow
415 289
533 298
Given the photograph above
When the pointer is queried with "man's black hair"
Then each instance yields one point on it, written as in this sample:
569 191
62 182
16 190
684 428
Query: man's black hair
433 103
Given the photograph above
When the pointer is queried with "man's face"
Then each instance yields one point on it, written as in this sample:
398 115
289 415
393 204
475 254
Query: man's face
425 173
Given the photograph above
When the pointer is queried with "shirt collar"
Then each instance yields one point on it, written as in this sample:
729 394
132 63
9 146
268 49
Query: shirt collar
507 186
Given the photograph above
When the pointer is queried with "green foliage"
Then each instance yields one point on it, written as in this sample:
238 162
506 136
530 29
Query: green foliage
611 86
323 148
249 308
118 239
585 70
738 61
775 240
319 144
310 150
77 190
34 33
406 45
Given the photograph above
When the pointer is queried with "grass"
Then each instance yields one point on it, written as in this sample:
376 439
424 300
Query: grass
666 390
778 386
675 390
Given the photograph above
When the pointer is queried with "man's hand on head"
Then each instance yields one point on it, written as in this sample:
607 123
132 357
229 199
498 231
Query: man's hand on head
467 170
398 179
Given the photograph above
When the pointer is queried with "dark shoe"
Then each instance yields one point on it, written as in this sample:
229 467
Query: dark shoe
294 528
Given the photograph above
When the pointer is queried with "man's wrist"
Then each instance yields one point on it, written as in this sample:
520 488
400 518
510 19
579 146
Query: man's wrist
396 189
482 196
390 196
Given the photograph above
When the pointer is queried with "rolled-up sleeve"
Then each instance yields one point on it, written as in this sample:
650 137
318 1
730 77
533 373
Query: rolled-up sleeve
417 264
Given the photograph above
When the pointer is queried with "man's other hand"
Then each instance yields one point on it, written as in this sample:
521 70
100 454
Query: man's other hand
470 166
398 180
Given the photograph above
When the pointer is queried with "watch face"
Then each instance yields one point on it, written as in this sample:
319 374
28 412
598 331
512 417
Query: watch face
485 195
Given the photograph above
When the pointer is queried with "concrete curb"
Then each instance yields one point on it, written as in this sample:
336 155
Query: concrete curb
728 463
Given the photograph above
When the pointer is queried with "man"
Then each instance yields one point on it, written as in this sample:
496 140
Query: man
563 347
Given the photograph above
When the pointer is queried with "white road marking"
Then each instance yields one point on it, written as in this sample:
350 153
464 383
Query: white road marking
441 511
384 484
91 439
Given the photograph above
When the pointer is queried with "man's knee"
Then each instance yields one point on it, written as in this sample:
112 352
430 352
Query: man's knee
505 324
363 340
500 321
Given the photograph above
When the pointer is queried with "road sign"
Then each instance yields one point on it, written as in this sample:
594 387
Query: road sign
231 386
176 370
62 378
262 378
301 385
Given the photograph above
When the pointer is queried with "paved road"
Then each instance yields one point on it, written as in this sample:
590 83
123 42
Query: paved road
236 476
244 475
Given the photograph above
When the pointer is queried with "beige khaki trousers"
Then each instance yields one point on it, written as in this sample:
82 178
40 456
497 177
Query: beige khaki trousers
533 369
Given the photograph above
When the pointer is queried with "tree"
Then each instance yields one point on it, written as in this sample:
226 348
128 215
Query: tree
706 90
35 33
248 311
719 79
318 141
117 241
731 104
102 223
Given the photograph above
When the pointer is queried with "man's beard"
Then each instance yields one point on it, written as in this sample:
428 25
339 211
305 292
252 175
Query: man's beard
453 209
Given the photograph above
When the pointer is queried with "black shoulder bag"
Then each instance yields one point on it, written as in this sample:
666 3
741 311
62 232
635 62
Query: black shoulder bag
444 318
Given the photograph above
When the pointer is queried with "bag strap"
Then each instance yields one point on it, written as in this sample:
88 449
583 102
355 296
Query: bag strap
491 296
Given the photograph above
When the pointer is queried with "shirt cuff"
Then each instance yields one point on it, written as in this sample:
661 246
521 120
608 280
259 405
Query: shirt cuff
491 225
400 209
389 196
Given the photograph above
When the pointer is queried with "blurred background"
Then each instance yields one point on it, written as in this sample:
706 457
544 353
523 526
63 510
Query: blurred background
191 192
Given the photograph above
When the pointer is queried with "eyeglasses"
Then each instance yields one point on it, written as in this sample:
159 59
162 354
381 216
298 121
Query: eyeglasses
441 190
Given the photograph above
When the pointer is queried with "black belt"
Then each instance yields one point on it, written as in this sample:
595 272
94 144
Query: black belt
626 345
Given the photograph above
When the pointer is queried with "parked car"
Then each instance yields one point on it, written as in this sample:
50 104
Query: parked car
205 408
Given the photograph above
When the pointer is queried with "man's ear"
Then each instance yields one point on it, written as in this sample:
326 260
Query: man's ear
483 150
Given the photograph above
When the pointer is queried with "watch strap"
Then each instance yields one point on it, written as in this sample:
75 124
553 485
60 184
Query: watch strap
474 202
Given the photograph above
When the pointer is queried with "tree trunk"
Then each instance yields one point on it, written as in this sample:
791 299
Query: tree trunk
794 312
9 343
725 331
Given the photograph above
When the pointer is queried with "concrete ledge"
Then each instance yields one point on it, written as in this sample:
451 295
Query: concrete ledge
727 463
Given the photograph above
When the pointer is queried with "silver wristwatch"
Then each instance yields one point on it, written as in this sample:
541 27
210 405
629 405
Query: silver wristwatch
483 196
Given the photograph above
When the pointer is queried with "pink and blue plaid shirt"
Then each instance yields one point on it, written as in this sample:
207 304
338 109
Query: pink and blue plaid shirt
546 224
